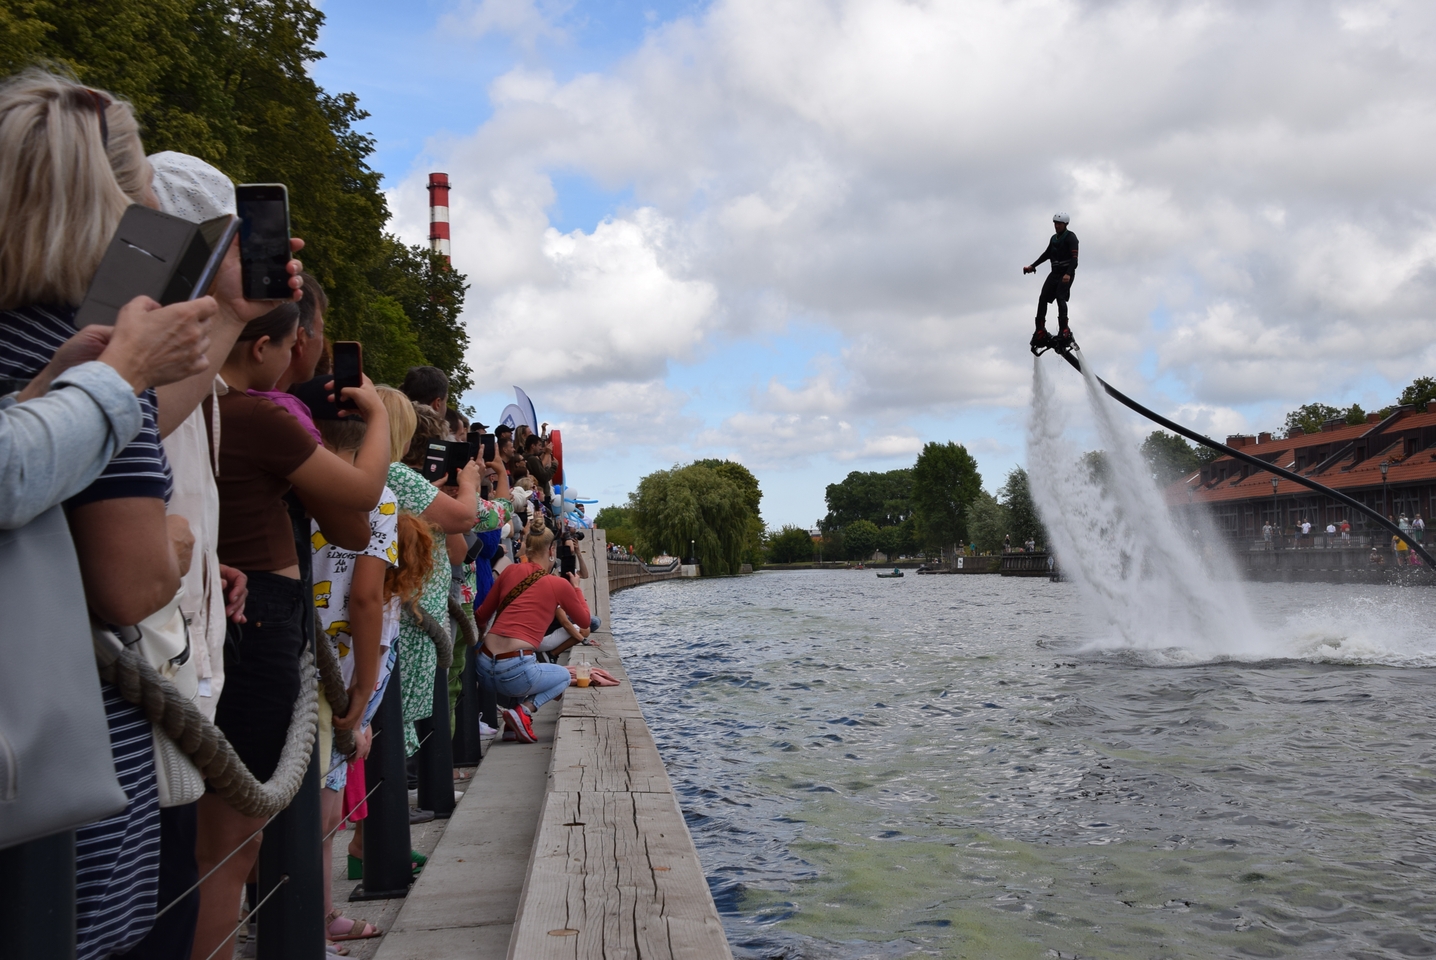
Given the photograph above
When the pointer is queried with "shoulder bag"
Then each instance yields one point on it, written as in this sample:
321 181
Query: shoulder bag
57 771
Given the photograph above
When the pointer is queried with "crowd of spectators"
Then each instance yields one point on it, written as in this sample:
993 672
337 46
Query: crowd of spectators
193 462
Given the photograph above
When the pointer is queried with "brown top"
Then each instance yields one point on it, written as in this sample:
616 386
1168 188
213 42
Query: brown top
260 445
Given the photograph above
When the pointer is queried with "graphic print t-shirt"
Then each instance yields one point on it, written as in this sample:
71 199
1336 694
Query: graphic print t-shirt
334 575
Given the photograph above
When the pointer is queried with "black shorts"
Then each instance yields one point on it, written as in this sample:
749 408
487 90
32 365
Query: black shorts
1054 289
261 671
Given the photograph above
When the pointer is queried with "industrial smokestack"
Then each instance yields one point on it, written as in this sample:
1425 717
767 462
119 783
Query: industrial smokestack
439 214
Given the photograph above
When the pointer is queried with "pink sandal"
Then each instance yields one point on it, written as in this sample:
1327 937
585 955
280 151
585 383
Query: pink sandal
357 929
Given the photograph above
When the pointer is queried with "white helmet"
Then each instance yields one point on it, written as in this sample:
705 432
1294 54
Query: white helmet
1061 218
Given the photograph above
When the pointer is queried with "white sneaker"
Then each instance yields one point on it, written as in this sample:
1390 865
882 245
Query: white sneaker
487 732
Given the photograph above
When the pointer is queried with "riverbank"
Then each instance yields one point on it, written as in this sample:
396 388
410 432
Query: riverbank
571 847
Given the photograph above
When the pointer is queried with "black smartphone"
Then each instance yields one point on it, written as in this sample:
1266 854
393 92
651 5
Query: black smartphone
436 459
567 559
263 240
487 445
456 458
348 370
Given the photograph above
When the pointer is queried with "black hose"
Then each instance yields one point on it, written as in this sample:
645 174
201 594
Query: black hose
1073 357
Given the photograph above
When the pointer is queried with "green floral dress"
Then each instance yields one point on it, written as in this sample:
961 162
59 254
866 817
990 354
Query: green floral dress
417 657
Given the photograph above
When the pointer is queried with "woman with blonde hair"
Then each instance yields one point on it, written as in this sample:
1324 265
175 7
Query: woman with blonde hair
522 603
71 162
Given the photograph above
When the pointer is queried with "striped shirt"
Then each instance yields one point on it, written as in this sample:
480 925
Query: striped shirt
117 861
29 337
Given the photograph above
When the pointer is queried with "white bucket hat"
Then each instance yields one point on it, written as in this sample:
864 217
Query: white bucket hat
189 188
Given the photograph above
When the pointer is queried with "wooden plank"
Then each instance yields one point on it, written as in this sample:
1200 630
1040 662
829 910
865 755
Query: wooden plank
620 871
614 754
614 872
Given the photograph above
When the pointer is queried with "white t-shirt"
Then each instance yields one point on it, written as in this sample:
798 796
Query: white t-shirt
334 574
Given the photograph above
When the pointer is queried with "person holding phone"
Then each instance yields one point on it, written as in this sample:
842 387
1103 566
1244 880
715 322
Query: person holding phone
446 514
264 453
79 153
521 605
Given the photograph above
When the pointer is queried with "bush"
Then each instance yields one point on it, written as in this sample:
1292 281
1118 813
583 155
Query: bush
790 545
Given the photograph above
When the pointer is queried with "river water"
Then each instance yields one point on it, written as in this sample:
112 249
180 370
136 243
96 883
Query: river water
973 766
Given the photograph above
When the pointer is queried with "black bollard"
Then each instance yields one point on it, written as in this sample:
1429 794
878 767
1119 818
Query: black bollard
291 922
387 872
467 750
37 898
436 754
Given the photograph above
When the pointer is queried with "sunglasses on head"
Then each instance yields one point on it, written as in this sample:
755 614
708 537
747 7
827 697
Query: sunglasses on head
102 103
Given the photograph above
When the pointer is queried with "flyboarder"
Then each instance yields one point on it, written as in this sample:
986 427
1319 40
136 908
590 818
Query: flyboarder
1062 253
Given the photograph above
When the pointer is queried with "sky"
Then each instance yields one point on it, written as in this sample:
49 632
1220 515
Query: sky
790 232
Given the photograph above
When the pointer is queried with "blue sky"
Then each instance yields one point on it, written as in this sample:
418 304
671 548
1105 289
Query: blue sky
789 233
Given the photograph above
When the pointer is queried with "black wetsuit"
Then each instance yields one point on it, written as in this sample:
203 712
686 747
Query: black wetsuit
1062 252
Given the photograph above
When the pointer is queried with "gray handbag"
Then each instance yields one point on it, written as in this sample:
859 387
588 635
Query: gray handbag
56 769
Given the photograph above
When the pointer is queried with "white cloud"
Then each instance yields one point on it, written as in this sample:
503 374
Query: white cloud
1257 172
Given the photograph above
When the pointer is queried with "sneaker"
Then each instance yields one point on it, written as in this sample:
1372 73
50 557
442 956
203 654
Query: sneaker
1041 340
487 732
1063 341
419 816
518 721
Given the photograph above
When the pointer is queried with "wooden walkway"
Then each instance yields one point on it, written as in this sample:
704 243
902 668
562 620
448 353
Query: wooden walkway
614 873
572 847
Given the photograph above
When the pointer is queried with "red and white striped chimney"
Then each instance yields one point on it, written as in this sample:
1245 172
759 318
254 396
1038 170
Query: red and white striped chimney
439 214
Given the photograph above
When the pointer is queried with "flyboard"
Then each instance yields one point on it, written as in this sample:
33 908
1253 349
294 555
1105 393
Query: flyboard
1069 351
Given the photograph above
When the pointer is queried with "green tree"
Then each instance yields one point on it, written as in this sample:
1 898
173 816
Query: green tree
617 524
1309 417
860 539
790 545
752 496
1169 457
695 508
882 498
229 81
1016 499
1421 392
1355 415
987 522
944 482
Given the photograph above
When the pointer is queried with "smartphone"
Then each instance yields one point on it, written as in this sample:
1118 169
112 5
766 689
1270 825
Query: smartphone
436 459
456 458
490 447
263 240
163 257
348 370
567 559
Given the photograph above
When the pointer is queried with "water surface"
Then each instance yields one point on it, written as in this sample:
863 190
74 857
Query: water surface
968 766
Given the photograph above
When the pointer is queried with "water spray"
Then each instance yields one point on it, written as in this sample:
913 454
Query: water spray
1073 355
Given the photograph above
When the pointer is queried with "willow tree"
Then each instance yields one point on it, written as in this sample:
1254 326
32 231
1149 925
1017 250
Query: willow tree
699 509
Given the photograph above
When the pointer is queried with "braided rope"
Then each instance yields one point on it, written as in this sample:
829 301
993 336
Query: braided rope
331 677
181 721
443 643
467 628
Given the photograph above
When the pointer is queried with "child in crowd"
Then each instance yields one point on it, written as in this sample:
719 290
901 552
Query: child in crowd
356 620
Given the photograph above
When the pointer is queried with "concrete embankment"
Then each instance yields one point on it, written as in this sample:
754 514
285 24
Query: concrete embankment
572 847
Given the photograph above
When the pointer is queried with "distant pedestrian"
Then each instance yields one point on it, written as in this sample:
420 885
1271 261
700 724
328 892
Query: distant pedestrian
1399 545
1405 525
1345 532
1007 544
1418 529
1306 533
1330 533
1266 534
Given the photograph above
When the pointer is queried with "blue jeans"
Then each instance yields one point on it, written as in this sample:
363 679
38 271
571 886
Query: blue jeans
524 677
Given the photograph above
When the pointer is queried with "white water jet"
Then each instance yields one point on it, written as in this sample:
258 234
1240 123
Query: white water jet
1117 542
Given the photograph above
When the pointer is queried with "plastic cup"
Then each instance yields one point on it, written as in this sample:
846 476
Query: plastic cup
582 673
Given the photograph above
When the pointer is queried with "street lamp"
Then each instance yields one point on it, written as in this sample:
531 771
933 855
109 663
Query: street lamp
1384 467
692 552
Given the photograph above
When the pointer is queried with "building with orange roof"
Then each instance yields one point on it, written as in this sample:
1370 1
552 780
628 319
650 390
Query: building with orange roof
1388 464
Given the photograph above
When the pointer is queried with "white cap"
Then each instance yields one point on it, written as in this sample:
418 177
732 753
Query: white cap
189 188
1061 218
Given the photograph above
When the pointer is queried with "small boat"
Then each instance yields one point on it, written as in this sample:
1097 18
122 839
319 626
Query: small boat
888 576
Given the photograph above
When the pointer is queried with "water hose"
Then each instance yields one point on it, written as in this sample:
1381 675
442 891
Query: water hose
1074 357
